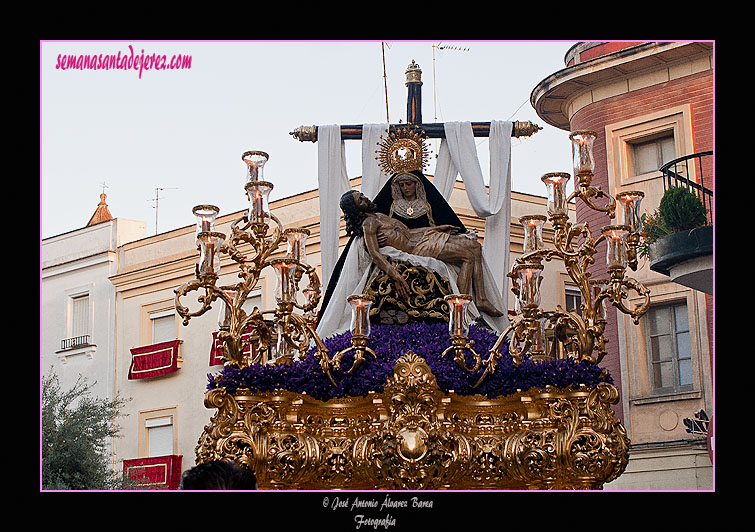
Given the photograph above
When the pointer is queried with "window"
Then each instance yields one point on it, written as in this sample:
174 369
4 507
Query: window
160 436
158 432
158 352
669 348
80 316
636 148
163 326
649 154
79 321
158 465
573 300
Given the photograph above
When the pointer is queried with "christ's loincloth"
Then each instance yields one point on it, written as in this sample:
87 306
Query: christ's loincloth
431 243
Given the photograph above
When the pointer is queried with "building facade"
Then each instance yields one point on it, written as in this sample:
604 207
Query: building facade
649 103
78 311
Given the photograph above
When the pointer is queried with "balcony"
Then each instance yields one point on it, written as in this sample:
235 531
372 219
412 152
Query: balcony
687 256
73 343
77 345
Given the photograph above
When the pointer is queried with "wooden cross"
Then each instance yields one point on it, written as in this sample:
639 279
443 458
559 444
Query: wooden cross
414 118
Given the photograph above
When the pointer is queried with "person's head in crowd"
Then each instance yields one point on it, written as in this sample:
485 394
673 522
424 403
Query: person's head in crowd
219 475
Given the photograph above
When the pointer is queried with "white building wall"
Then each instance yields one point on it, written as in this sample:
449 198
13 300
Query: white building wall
76 263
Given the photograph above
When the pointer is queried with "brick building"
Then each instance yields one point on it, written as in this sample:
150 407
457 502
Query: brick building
649 103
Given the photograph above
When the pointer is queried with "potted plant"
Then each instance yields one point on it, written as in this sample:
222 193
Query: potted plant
676 232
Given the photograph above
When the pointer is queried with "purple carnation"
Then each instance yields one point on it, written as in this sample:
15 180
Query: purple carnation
427 340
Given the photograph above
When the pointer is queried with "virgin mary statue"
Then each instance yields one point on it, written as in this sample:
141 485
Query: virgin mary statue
410 197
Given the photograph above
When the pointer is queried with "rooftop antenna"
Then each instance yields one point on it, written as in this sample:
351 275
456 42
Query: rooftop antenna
385 83
157 201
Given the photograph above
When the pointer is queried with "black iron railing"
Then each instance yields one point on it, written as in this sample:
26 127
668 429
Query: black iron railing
676 173
77 341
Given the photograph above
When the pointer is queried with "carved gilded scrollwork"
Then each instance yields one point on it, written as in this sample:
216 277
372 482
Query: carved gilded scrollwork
414 449
414 436
425 300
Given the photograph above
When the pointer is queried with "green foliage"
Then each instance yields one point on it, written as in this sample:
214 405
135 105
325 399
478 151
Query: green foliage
75 430
679 210
652 228
682 210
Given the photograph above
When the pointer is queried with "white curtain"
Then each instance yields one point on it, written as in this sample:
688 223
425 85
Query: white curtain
333 182
458 155
373 177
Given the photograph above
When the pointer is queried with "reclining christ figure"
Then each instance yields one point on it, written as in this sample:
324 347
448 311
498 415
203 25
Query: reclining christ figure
440 242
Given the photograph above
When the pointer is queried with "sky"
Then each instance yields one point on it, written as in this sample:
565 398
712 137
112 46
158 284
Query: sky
178 134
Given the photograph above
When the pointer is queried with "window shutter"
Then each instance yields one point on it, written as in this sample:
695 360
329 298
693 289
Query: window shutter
80 316
160 436
163 328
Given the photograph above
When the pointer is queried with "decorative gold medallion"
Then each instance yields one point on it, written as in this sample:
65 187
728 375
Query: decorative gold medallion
403 150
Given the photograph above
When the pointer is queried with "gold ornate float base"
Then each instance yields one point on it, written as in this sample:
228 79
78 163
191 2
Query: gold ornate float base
414 436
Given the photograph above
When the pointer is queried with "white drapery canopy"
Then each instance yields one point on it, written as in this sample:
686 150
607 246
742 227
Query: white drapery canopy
457 156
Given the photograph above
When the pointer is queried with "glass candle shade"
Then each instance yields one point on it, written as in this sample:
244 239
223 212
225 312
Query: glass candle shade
555 184
628 209
255 163
582 158
284 348
258 193
457 314
616 251
529 277
286 289
209 252
360 314
297 244
537 338
598 285
224 314
533 232
309 294
206 215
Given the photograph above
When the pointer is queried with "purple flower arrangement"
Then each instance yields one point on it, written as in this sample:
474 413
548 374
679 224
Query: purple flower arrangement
427 340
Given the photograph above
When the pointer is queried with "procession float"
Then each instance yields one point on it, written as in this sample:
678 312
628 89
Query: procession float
403 368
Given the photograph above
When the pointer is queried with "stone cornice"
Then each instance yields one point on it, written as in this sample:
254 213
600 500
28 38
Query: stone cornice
554 98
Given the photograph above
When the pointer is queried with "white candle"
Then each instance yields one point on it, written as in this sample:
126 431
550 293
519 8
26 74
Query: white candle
360 314
258 206
616 256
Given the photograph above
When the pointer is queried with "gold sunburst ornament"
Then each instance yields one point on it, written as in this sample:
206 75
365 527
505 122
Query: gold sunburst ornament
403 150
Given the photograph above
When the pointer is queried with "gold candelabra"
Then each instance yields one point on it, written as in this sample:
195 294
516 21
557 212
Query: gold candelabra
581 333
257 337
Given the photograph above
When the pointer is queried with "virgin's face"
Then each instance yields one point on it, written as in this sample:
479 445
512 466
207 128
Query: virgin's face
408 188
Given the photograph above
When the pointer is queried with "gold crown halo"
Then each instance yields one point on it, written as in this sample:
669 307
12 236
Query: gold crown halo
403 150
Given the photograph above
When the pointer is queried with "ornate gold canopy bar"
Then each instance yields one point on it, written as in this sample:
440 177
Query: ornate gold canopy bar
434 130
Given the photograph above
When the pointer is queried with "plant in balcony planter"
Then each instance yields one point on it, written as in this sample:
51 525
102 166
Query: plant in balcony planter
679 210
